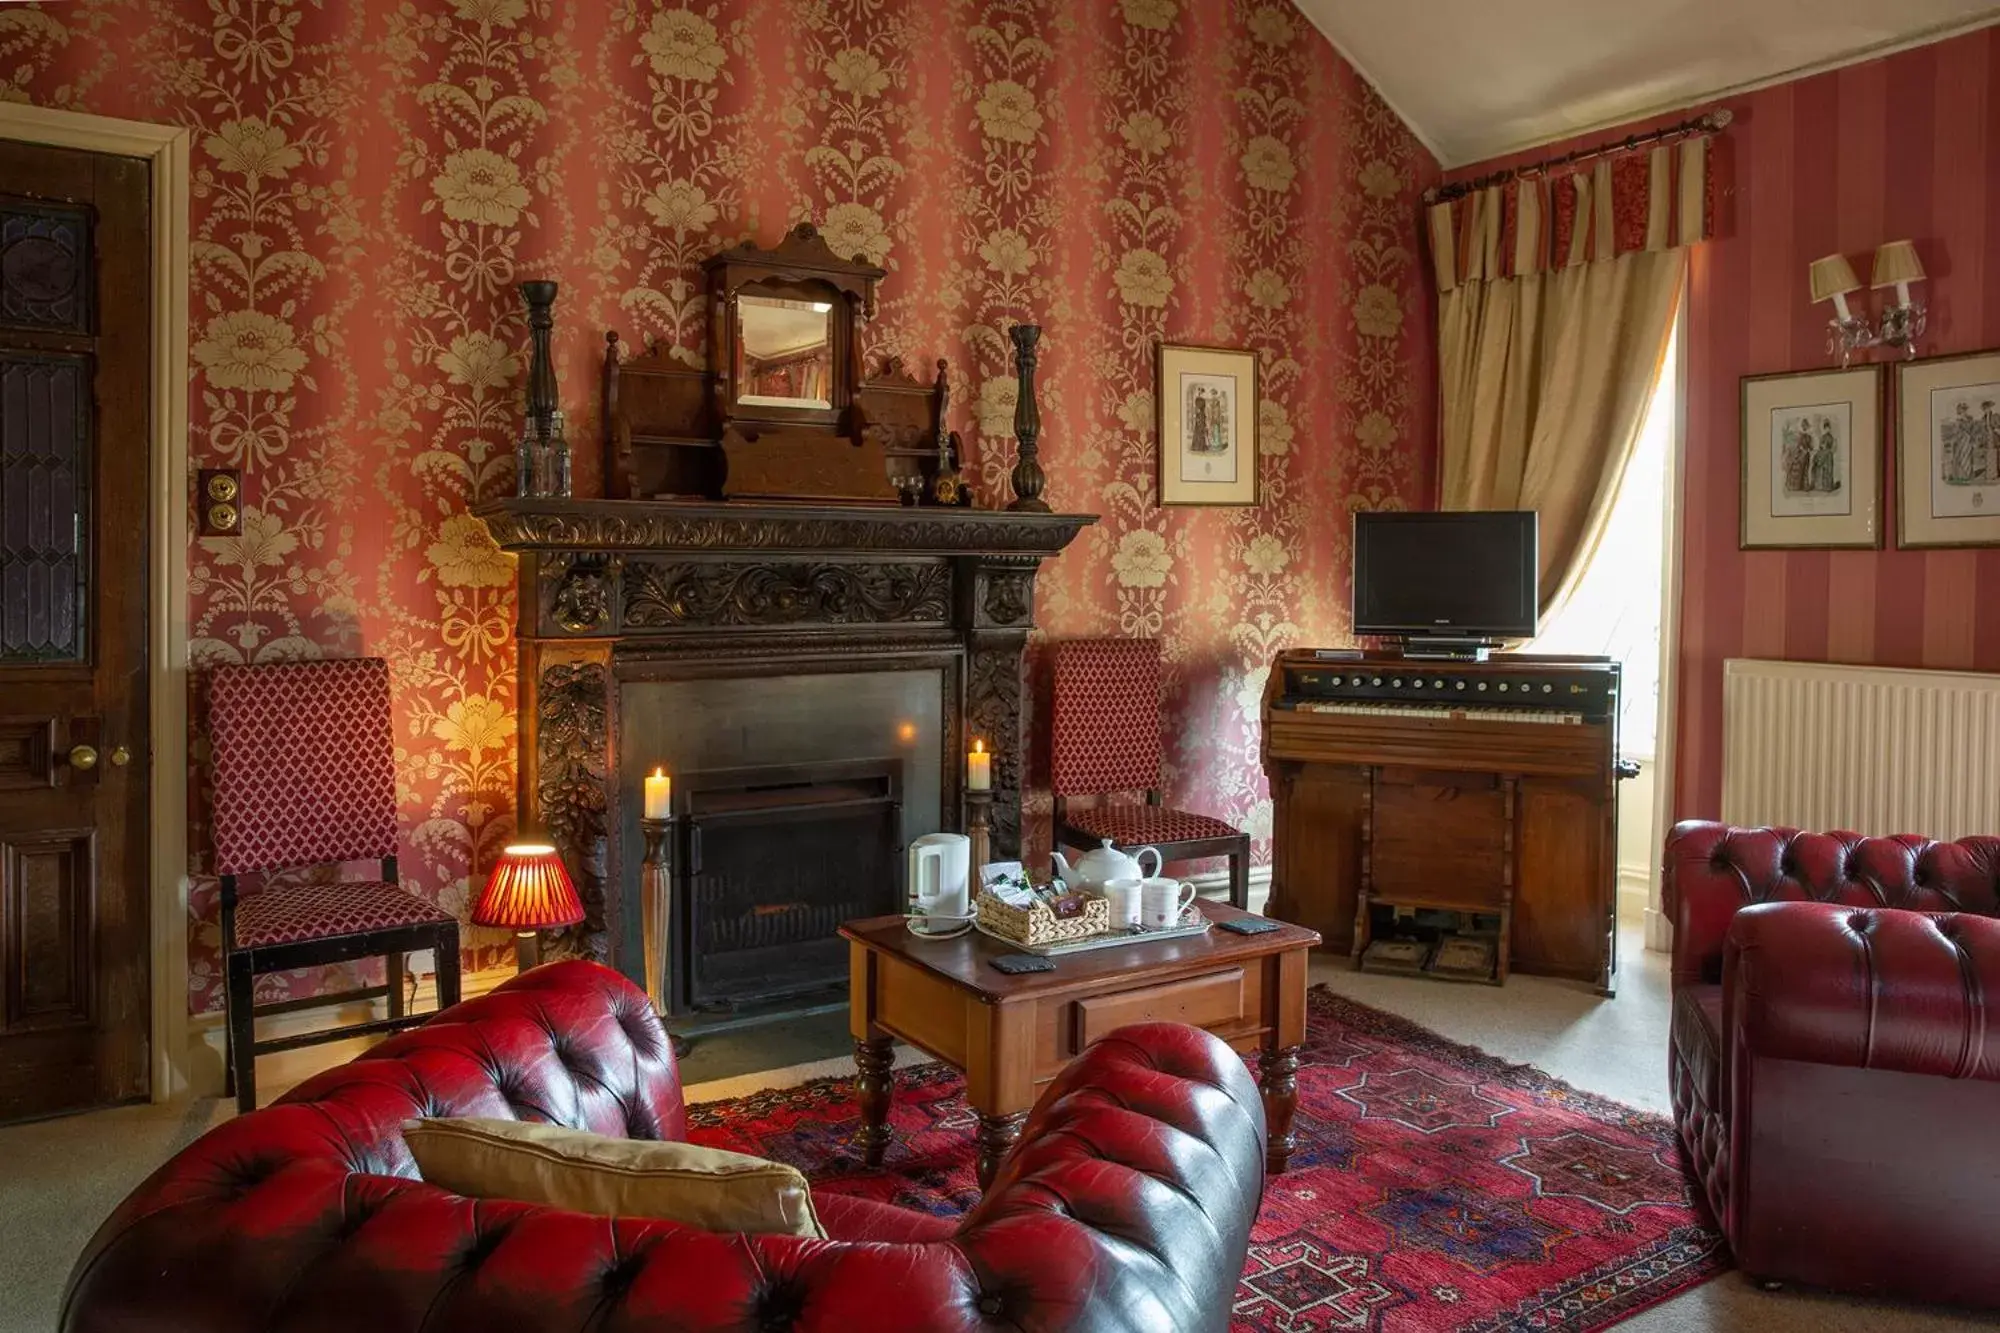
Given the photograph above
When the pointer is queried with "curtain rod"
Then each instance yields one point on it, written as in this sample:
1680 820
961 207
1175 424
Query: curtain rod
1703 124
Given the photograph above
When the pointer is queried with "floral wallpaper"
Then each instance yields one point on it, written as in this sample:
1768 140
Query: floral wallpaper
372 177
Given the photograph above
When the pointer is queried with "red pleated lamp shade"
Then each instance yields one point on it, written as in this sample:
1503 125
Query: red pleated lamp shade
529 889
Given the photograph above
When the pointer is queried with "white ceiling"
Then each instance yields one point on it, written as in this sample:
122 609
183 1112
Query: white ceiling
1479 78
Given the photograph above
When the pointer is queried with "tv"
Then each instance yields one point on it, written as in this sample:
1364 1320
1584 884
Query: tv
1465 576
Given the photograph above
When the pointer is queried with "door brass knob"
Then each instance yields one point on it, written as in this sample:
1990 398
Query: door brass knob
82 756
120 756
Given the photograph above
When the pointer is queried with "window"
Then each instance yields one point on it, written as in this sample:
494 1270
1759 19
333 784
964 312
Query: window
1615 610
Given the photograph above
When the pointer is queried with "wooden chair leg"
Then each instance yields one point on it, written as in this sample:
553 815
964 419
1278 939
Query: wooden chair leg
1239 878
239 991
396 975
445 952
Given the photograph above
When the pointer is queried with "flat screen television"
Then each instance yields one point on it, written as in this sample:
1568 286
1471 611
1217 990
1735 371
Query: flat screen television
1446 575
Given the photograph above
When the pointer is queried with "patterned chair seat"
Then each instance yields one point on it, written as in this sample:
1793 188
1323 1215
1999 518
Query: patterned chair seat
286 913
1129 825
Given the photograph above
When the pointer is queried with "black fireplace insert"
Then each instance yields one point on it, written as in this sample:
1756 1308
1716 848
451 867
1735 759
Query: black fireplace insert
773 860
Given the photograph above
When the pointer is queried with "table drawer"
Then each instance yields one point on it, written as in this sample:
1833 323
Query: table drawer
1206 1001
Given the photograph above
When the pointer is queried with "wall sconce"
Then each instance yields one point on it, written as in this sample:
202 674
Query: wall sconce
1896 265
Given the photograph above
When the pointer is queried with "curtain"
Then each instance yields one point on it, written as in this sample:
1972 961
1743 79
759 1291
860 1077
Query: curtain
1556 299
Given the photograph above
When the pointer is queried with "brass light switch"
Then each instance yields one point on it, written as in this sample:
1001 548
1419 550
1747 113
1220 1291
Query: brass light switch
219 501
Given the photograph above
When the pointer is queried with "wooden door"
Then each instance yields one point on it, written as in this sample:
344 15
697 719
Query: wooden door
75 324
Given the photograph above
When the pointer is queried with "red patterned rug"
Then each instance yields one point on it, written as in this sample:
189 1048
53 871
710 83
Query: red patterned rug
1435 1187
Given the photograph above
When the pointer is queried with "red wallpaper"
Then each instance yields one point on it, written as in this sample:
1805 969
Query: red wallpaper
1906 146
373 178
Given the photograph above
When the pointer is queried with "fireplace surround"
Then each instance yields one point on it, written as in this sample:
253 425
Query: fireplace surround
622 602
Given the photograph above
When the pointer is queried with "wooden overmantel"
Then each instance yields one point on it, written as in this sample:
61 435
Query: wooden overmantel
614 587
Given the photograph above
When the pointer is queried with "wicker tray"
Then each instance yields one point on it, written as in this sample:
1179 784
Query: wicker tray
1037 925
1192 923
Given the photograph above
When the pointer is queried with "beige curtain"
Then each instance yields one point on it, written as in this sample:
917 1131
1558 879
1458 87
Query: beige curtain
1546 370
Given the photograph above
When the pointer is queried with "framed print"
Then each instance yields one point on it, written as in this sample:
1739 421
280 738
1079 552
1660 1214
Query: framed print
1207 434
1812 459
1948 451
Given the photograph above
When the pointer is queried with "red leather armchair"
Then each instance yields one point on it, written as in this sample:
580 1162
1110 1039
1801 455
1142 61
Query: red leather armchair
1126 1205
1835 1058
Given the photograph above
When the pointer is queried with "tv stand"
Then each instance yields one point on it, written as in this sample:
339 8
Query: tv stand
1440 648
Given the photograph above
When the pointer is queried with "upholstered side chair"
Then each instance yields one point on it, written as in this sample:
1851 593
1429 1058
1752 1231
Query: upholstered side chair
304 771
1105 740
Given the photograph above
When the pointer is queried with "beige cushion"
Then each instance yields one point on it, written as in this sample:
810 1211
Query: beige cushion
568 1168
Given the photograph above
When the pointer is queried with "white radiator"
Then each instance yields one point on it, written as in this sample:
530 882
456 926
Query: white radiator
1872 749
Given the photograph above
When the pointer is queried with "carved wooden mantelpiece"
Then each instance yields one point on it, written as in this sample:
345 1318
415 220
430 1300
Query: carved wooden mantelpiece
718 588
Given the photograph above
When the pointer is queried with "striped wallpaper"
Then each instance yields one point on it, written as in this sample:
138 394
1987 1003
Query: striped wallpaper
1908 145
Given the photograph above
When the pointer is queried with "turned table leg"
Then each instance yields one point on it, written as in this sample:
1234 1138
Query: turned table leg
996 1137
876 1058
1280 1083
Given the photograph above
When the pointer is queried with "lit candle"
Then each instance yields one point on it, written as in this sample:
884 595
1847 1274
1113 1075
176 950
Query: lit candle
979 768
659 794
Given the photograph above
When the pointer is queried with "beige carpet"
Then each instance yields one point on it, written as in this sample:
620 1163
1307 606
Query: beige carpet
58 1179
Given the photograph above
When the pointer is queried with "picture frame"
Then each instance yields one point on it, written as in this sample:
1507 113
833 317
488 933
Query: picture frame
1206 401
1811 443
1948 451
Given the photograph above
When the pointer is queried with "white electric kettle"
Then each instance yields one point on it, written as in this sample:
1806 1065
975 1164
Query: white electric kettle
1096 868
940 874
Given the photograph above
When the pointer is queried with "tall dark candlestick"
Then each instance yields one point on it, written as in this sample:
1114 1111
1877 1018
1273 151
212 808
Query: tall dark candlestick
544 456
1027 478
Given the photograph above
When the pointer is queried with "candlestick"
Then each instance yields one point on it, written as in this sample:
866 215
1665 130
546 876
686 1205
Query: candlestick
979 768
659 795
979 824
656 880
1027 478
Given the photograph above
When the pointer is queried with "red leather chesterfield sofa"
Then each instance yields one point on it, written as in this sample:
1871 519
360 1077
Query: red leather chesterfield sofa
1126 1205
1836 1054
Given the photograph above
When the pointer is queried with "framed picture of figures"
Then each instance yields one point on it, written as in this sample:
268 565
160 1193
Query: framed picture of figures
1812 459
1948 451
1207 404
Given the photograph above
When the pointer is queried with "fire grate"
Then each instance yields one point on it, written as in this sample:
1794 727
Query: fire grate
777 859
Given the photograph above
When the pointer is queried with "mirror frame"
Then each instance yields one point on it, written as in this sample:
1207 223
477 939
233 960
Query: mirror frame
800 268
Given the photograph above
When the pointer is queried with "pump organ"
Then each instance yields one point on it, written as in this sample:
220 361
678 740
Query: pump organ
1486 787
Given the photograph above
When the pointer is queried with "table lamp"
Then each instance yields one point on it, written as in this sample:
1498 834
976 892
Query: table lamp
528 891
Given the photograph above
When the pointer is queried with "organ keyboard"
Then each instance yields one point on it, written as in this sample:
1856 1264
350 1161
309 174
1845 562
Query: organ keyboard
1446 711
1486 788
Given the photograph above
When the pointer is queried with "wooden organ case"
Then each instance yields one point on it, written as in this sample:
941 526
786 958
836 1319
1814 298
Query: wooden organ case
1482 787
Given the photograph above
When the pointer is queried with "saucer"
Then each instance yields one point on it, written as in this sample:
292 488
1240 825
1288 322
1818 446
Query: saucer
919 925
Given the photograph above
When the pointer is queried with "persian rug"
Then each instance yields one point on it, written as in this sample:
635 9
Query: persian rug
1434 1188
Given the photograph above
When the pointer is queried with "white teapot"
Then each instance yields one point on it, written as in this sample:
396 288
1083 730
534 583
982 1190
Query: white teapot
1098 867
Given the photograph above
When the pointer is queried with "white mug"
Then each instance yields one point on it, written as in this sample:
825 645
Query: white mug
1123 897
940 872
1161 901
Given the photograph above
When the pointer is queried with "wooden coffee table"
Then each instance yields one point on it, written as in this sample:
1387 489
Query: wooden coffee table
1011 1034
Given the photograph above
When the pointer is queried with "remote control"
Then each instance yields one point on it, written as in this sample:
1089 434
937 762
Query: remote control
1012 963
1249 925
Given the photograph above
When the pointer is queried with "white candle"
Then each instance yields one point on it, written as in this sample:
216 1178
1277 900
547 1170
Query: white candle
659 794
979 768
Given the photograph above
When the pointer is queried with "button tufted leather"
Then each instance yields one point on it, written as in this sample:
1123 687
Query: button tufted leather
1835 1053
1127 1204
1712 870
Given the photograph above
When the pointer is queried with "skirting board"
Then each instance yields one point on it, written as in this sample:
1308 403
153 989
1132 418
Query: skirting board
208 1040
1215 884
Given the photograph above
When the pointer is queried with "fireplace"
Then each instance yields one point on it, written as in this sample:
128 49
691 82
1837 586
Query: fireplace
796 788
753 650
777 858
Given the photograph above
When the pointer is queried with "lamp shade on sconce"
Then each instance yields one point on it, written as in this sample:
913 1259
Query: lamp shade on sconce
1833 277
1896 263
528 890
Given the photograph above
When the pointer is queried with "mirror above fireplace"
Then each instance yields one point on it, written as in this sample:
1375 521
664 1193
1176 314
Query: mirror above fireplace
782 409
784 352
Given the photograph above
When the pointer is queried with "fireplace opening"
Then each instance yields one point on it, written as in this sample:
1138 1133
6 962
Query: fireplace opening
777 858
